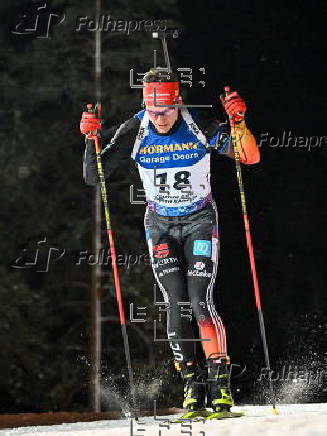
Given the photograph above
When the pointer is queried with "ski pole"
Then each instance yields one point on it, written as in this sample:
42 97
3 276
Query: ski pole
111 241
251 257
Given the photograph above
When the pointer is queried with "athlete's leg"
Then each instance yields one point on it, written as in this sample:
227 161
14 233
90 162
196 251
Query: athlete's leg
202 253
167 260
201 249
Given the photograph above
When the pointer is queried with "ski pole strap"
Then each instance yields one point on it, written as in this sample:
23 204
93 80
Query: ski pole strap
142 133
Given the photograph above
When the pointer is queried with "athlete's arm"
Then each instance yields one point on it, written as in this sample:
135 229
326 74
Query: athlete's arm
246 144
235 108
90 171
116 143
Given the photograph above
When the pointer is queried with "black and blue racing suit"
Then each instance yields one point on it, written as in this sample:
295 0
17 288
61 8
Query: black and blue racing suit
181 220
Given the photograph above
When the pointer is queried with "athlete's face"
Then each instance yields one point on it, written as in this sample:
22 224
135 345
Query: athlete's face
163 118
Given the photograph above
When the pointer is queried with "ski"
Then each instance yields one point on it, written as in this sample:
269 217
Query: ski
224 414
192 414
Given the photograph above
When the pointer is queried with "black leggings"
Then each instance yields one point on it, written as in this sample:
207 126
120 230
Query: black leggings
184 253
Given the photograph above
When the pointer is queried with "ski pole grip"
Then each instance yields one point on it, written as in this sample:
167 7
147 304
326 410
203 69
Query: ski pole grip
90 107
227 91
90 124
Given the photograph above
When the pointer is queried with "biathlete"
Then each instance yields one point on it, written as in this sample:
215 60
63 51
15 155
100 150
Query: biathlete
171 147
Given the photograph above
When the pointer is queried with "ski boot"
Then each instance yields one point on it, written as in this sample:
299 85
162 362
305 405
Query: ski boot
219 396
194 391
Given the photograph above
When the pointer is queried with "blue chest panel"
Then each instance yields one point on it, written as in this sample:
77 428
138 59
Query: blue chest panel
180 149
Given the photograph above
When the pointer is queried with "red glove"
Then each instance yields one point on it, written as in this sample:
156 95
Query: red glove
90 123
234 105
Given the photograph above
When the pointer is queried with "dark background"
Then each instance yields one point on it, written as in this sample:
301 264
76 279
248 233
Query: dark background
272 53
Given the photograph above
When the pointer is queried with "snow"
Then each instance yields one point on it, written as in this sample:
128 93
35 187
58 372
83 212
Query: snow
294 419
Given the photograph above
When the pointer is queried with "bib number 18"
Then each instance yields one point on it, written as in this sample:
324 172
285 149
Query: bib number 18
181 180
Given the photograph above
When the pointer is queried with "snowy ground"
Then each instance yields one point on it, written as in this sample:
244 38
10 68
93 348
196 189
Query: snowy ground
294 419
